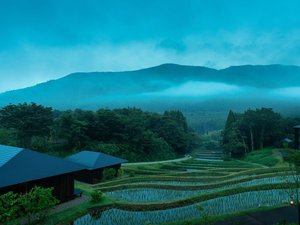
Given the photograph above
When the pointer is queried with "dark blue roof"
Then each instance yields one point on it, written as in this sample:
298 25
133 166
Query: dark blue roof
95 160
18 165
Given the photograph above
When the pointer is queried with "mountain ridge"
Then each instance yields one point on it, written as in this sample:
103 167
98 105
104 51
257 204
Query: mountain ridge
104 89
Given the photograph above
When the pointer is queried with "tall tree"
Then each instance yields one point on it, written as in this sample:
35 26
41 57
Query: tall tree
27 120
233 142
68 126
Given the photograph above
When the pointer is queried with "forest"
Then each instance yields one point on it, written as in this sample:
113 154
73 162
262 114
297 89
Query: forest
129 133
256 129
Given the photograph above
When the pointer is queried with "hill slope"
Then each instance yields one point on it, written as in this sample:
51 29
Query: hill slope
90 90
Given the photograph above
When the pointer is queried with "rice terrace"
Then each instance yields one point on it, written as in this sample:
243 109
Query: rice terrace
202 185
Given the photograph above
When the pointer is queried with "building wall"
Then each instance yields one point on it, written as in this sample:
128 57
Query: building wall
63 186
93 176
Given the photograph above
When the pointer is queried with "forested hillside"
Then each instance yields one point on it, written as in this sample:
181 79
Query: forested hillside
256 129
129 133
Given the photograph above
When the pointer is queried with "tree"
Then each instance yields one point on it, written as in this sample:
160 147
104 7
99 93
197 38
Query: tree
68 126
233 142
231 119
27 120
35 204
173 129
261 127
252 130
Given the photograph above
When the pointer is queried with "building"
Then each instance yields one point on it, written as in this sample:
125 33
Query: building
22 169
94 163
297 136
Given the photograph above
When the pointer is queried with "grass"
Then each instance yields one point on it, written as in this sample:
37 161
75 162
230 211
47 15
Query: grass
85 188
224 217
267 157
70 214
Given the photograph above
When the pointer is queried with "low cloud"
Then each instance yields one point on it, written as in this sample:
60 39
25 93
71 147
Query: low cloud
197 89
291 92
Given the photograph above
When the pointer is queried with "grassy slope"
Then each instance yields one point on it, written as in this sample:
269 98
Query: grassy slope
268 157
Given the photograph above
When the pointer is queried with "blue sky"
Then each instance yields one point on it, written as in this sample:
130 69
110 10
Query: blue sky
47 39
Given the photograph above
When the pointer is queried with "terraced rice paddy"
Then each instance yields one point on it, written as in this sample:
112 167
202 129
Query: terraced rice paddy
168 192
161 195
228 204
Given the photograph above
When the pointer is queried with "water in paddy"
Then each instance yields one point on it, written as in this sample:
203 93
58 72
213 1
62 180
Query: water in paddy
199 183
145 195
228 204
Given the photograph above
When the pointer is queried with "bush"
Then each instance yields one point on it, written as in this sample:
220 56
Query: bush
109 173
131 174
34 205
96 196
9 208
120 173
37 203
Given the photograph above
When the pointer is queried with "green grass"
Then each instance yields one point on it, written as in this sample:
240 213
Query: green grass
70 214
216 218
85 188
263 156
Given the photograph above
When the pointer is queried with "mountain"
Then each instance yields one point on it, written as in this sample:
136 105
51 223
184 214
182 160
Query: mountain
95 89
169 86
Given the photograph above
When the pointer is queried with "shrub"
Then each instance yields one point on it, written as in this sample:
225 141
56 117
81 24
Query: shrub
36 204
9 208
108 174
120 172
96 196
131 174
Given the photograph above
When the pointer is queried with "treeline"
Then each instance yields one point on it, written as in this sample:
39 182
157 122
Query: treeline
255 129
129 133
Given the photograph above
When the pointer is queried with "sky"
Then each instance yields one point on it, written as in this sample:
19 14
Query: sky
48 39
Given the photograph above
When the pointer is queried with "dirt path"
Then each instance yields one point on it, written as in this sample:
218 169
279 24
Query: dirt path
157 162
70 204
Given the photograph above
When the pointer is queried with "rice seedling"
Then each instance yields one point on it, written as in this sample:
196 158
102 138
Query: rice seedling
222 205
160 195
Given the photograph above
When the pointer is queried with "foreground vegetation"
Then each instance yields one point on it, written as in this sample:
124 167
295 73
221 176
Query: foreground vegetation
31 208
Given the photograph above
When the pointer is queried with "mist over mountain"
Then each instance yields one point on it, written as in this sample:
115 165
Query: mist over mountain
170 86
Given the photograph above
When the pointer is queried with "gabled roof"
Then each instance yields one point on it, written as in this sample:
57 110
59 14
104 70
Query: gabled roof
19 165
95 160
